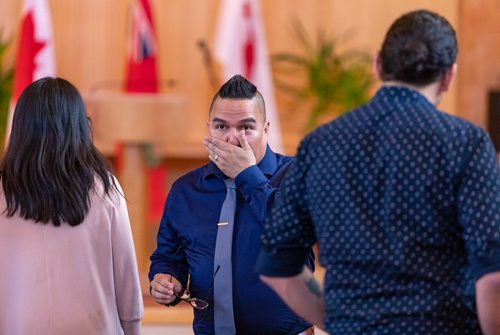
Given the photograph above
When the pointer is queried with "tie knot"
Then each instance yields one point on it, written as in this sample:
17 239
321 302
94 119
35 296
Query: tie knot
229 183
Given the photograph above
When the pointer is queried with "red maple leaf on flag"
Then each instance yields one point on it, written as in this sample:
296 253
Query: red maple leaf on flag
25 61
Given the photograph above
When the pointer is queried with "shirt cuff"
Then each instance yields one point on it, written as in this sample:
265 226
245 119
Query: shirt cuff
282 264
252 176
176 301
482 266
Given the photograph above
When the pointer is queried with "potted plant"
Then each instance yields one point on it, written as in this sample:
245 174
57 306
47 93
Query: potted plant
334 81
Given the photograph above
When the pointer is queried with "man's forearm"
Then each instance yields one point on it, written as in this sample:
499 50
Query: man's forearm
488 303
302 294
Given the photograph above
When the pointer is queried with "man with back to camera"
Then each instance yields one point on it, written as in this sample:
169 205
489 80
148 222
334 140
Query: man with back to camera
406 208
193 241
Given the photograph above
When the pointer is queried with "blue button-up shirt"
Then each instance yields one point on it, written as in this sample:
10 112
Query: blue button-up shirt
404 202
189 226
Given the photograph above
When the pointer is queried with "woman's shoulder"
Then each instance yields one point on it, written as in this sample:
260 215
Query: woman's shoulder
113 197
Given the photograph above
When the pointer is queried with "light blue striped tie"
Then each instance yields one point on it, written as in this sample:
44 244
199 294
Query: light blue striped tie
223 282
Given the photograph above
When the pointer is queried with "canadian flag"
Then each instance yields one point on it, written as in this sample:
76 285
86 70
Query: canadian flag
240 48
35 54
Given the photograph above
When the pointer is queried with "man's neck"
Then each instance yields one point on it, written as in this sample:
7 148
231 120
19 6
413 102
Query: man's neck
430 91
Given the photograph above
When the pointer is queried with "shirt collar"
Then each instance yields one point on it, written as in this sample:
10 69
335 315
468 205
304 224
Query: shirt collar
267 165
402 94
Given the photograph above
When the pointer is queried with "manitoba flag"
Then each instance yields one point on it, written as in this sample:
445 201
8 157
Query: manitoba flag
142 78
240 48
141 70
35 53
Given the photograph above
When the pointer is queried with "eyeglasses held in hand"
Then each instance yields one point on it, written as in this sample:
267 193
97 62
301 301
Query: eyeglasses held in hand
195 302
186 296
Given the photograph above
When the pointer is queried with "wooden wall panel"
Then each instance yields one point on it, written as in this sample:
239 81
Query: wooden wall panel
181 25
90 43
9 17
479 57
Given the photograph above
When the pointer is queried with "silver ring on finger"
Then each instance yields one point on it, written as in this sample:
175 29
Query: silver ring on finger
216 158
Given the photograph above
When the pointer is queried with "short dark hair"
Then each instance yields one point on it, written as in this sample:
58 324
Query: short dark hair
418 48
238 87
50 165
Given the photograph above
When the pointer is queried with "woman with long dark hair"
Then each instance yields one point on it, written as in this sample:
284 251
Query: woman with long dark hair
66 250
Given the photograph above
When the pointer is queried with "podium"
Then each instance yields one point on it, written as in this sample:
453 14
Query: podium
134 120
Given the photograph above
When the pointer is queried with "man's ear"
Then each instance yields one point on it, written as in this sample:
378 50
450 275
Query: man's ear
377 65
266 128
447 78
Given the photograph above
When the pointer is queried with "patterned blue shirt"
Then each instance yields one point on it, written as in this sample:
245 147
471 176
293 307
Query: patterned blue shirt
404 203
188 230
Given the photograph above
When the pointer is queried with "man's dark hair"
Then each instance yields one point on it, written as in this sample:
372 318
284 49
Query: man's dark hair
418 49
50 165
238 87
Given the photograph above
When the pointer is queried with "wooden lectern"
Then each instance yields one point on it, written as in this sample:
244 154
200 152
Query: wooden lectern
134 120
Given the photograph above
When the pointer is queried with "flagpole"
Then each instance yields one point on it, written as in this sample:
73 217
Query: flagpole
209 64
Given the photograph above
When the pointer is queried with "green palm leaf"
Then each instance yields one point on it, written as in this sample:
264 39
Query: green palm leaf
336 82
